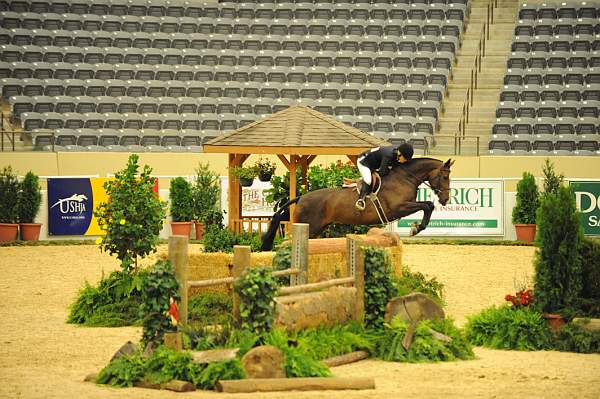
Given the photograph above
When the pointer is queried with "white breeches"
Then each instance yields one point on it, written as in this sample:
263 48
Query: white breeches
365 172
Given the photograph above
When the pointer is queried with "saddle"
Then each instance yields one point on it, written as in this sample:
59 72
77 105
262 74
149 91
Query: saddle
358 182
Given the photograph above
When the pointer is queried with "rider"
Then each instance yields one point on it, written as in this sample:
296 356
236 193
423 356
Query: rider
381 159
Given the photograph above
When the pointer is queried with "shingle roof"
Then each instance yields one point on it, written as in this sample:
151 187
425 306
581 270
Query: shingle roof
296 127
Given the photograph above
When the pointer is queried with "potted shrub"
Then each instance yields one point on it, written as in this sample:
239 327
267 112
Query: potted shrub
245 175
9 192
523 214
30 199
182 209
265 169
205 197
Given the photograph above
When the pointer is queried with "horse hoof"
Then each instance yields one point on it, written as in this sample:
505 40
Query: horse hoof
414 229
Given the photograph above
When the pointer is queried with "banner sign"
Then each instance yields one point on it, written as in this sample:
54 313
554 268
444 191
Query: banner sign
587 199
475 208
71 204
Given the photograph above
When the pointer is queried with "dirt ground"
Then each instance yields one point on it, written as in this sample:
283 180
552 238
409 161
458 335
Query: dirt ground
43 357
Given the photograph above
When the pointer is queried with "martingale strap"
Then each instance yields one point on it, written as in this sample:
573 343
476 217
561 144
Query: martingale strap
379 209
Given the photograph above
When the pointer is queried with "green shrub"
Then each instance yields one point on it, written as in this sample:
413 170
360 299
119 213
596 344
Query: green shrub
283 260
206 193
416 282
182 200
9 195
590 256
552 181
165 365
505 327
558 266
132 217
158 288
208 307
298 362
218 239
379 288
123 372
325 342
257 289
573 338
527 200
30 198
115 302
424 348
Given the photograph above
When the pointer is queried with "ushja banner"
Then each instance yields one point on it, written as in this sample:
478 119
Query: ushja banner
71 204
476 207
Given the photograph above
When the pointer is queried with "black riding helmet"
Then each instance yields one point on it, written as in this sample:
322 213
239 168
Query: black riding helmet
406 150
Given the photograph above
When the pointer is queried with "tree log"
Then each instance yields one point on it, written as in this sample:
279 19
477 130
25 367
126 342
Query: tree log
173 385
588 324
174 340
214 355
347 358
293 384
315 286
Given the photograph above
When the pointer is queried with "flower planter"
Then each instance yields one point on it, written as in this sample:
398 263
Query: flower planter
555 321
246 182
8 231
199 228
30 231
181 228
265 176
525 232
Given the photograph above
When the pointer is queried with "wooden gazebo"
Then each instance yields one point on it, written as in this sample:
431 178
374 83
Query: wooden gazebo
296 135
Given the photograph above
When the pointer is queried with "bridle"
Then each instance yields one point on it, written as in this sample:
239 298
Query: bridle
436 190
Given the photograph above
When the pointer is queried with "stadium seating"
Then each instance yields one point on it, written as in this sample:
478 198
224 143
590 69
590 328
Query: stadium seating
164 67
551 99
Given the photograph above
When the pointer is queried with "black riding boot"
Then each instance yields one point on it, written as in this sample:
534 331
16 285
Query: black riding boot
365 189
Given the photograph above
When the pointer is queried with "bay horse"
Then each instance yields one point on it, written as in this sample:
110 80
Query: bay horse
397 196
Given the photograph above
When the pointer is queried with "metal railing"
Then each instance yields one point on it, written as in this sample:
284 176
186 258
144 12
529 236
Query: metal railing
458 142
476 71
8 137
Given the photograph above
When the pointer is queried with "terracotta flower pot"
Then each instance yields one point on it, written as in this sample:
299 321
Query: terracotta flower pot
199 226
555 321
181 228
525 232
8 231
30 231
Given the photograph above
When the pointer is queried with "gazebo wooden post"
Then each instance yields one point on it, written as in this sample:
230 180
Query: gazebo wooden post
235 191
293 183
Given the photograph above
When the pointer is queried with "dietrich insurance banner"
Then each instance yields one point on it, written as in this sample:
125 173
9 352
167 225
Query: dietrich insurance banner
476 208
71 204
587 199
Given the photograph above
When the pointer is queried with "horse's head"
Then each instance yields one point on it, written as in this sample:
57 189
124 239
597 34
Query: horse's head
440 181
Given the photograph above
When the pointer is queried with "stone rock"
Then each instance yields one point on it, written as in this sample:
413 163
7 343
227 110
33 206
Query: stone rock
128 349
264 362
413 308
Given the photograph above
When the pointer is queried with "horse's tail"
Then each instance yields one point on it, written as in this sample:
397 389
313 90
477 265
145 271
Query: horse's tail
278 216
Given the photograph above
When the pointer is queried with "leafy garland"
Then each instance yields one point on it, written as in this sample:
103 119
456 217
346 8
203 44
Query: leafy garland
379 287
257 289
159 287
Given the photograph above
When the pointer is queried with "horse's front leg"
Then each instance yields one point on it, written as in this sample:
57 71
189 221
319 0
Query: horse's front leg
427 207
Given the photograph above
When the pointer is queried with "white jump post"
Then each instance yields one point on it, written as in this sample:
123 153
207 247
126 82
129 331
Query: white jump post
355 261
178 255
299 253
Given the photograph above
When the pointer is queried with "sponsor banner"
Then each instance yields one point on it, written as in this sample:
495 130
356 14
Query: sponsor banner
587 199
476 208
254 201
71 202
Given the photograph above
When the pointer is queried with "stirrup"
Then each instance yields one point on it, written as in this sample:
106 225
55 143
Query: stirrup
360 204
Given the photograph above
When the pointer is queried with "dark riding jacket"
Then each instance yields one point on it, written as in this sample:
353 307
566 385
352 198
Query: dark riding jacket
382 159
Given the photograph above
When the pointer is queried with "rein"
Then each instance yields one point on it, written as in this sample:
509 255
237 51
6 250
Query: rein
437 191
